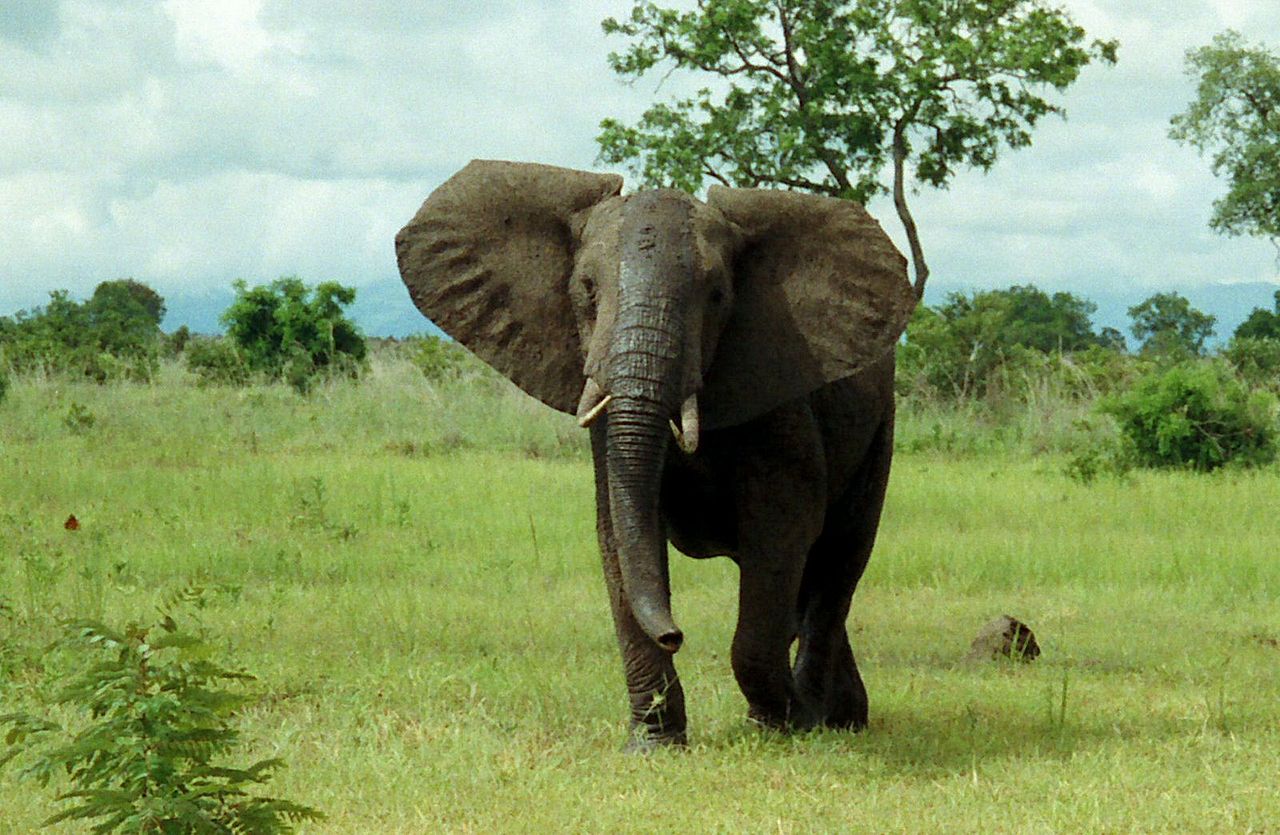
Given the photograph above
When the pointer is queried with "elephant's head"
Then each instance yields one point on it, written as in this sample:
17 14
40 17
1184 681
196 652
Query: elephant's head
652 307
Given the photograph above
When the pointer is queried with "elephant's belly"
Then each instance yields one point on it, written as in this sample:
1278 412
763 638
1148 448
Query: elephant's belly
699 514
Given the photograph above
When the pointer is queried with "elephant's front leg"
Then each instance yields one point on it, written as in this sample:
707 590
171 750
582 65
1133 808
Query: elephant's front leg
656 697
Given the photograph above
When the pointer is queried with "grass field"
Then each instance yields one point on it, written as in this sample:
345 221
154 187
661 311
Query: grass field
411 574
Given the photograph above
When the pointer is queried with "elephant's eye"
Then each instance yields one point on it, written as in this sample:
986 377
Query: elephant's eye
717 296
590 287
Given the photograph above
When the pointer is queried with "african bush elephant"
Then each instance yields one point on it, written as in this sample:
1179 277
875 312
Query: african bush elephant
734 362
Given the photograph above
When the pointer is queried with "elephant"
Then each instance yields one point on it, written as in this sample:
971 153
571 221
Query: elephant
733 360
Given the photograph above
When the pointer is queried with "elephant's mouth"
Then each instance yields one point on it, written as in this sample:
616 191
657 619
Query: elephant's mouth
686 426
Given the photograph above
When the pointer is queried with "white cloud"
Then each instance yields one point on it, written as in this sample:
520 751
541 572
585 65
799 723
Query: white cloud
187 143
226 32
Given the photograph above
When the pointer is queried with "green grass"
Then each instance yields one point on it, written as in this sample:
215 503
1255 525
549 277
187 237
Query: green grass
411 573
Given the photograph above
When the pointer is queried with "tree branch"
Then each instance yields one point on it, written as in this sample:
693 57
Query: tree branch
1261 108
714 174
748 65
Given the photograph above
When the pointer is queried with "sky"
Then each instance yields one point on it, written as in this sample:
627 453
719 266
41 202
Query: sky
188 143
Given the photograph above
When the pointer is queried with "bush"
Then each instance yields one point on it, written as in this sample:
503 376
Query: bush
285 330
1196 415
216 362
79 419
156 720
441 359
4 384
988 343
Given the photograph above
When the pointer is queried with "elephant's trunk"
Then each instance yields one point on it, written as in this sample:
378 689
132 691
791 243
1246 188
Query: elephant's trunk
636 446
645 373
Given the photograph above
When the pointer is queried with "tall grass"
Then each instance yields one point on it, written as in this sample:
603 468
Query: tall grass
409 567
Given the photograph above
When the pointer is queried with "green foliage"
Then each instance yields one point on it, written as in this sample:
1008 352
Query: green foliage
441 359
126 314
1166 324
176 342
114 335
1261 324
128 299
285 330
159 721
1236 117
1196 415
821 95
956 349
4 383
825 92
1256 360
79 419
216 361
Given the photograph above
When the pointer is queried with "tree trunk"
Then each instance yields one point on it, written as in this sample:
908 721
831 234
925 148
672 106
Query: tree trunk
904 213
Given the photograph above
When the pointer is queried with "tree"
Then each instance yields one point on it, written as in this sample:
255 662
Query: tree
1033 318
958 344
127 294
1261 324
115 333
1166 323
1236 117
821 95
1112 339
126 315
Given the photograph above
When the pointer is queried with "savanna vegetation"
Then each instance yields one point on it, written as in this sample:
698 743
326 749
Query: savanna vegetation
406 563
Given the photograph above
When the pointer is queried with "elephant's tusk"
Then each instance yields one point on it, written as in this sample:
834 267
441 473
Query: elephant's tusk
687 431
590 417
593 402
690 427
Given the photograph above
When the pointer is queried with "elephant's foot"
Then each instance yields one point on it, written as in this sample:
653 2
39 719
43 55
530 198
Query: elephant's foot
643 740
657 717
847 705
838 690
850 715
789 716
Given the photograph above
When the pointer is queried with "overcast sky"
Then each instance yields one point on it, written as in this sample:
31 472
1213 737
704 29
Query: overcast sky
187 143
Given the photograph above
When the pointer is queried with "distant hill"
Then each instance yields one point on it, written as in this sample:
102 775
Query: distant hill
1230 303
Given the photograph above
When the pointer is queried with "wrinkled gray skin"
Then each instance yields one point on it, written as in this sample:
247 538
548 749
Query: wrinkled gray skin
733 360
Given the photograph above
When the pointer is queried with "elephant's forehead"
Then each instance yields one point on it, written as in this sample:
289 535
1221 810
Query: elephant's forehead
680 219
606 219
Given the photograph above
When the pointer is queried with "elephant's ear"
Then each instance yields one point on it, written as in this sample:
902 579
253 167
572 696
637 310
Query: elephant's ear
820 293
488 259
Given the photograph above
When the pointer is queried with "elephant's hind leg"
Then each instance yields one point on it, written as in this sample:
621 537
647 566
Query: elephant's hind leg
762 643
780 489
825 671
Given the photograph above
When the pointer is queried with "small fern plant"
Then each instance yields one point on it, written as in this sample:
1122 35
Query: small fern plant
158 719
